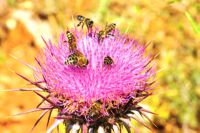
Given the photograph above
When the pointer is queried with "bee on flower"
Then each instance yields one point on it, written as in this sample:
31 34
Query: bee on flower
77 59
105 32
71 41
108 60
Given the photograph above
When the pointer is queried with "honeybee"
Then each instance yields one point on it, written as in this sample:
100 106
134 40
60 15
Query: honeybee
110 27
71 41
107 31
77 59
108 60
95 108
84 21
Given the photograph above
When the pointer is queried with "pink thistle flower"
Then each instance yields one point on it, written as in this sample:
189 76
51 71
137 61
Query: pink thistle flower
98 97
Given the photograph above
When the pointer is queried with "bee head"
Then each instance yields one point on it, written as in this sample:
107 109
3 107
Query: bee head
91 22
108 60
114 24
67 32
79 17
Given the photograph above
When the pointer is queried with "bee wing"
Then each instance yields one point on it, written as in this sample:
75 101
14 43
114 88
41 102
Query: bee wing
78 53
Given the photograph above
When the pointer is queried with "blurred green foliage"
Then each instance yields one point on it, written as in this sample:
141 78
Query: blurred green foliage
194 24
2 57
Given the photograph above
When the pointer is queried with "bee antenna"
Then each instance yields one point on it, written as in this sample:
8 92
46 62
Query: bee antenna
73 21
67 29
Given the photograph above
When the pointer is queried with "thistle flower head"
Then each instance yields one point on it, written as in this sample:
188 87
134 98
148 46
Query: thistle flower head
103 93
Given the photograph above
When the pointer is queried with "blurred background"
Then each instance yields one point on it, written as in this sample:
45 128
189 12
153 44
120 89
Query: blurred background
172 25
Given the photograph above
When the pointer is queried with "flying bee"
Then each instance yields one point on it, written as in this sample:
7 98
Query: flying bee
77 59
108 60
84 21
71 41
89 23
107 31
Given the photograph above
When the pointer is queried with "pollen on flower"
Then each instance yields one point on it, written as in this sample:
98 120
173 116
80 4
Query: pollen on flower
94 79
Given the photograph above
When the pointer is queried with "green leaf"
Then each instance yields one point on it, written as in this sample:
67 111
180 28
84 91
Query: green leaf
2 58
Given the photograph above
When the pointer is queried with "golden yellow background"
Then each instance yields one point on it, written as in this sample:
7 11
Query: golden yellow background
173 26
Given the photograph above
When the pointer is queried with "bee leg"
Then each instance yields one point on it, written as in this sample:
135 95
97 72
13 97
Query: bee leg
66 63
100 40
111 34
79 24
106 24
88 28
90 31
82 25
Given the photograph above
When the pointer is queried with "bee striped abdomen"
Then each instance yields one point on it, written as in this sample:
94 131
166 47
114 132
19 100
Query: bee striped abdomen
70 37
72 59
110 28
71 41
